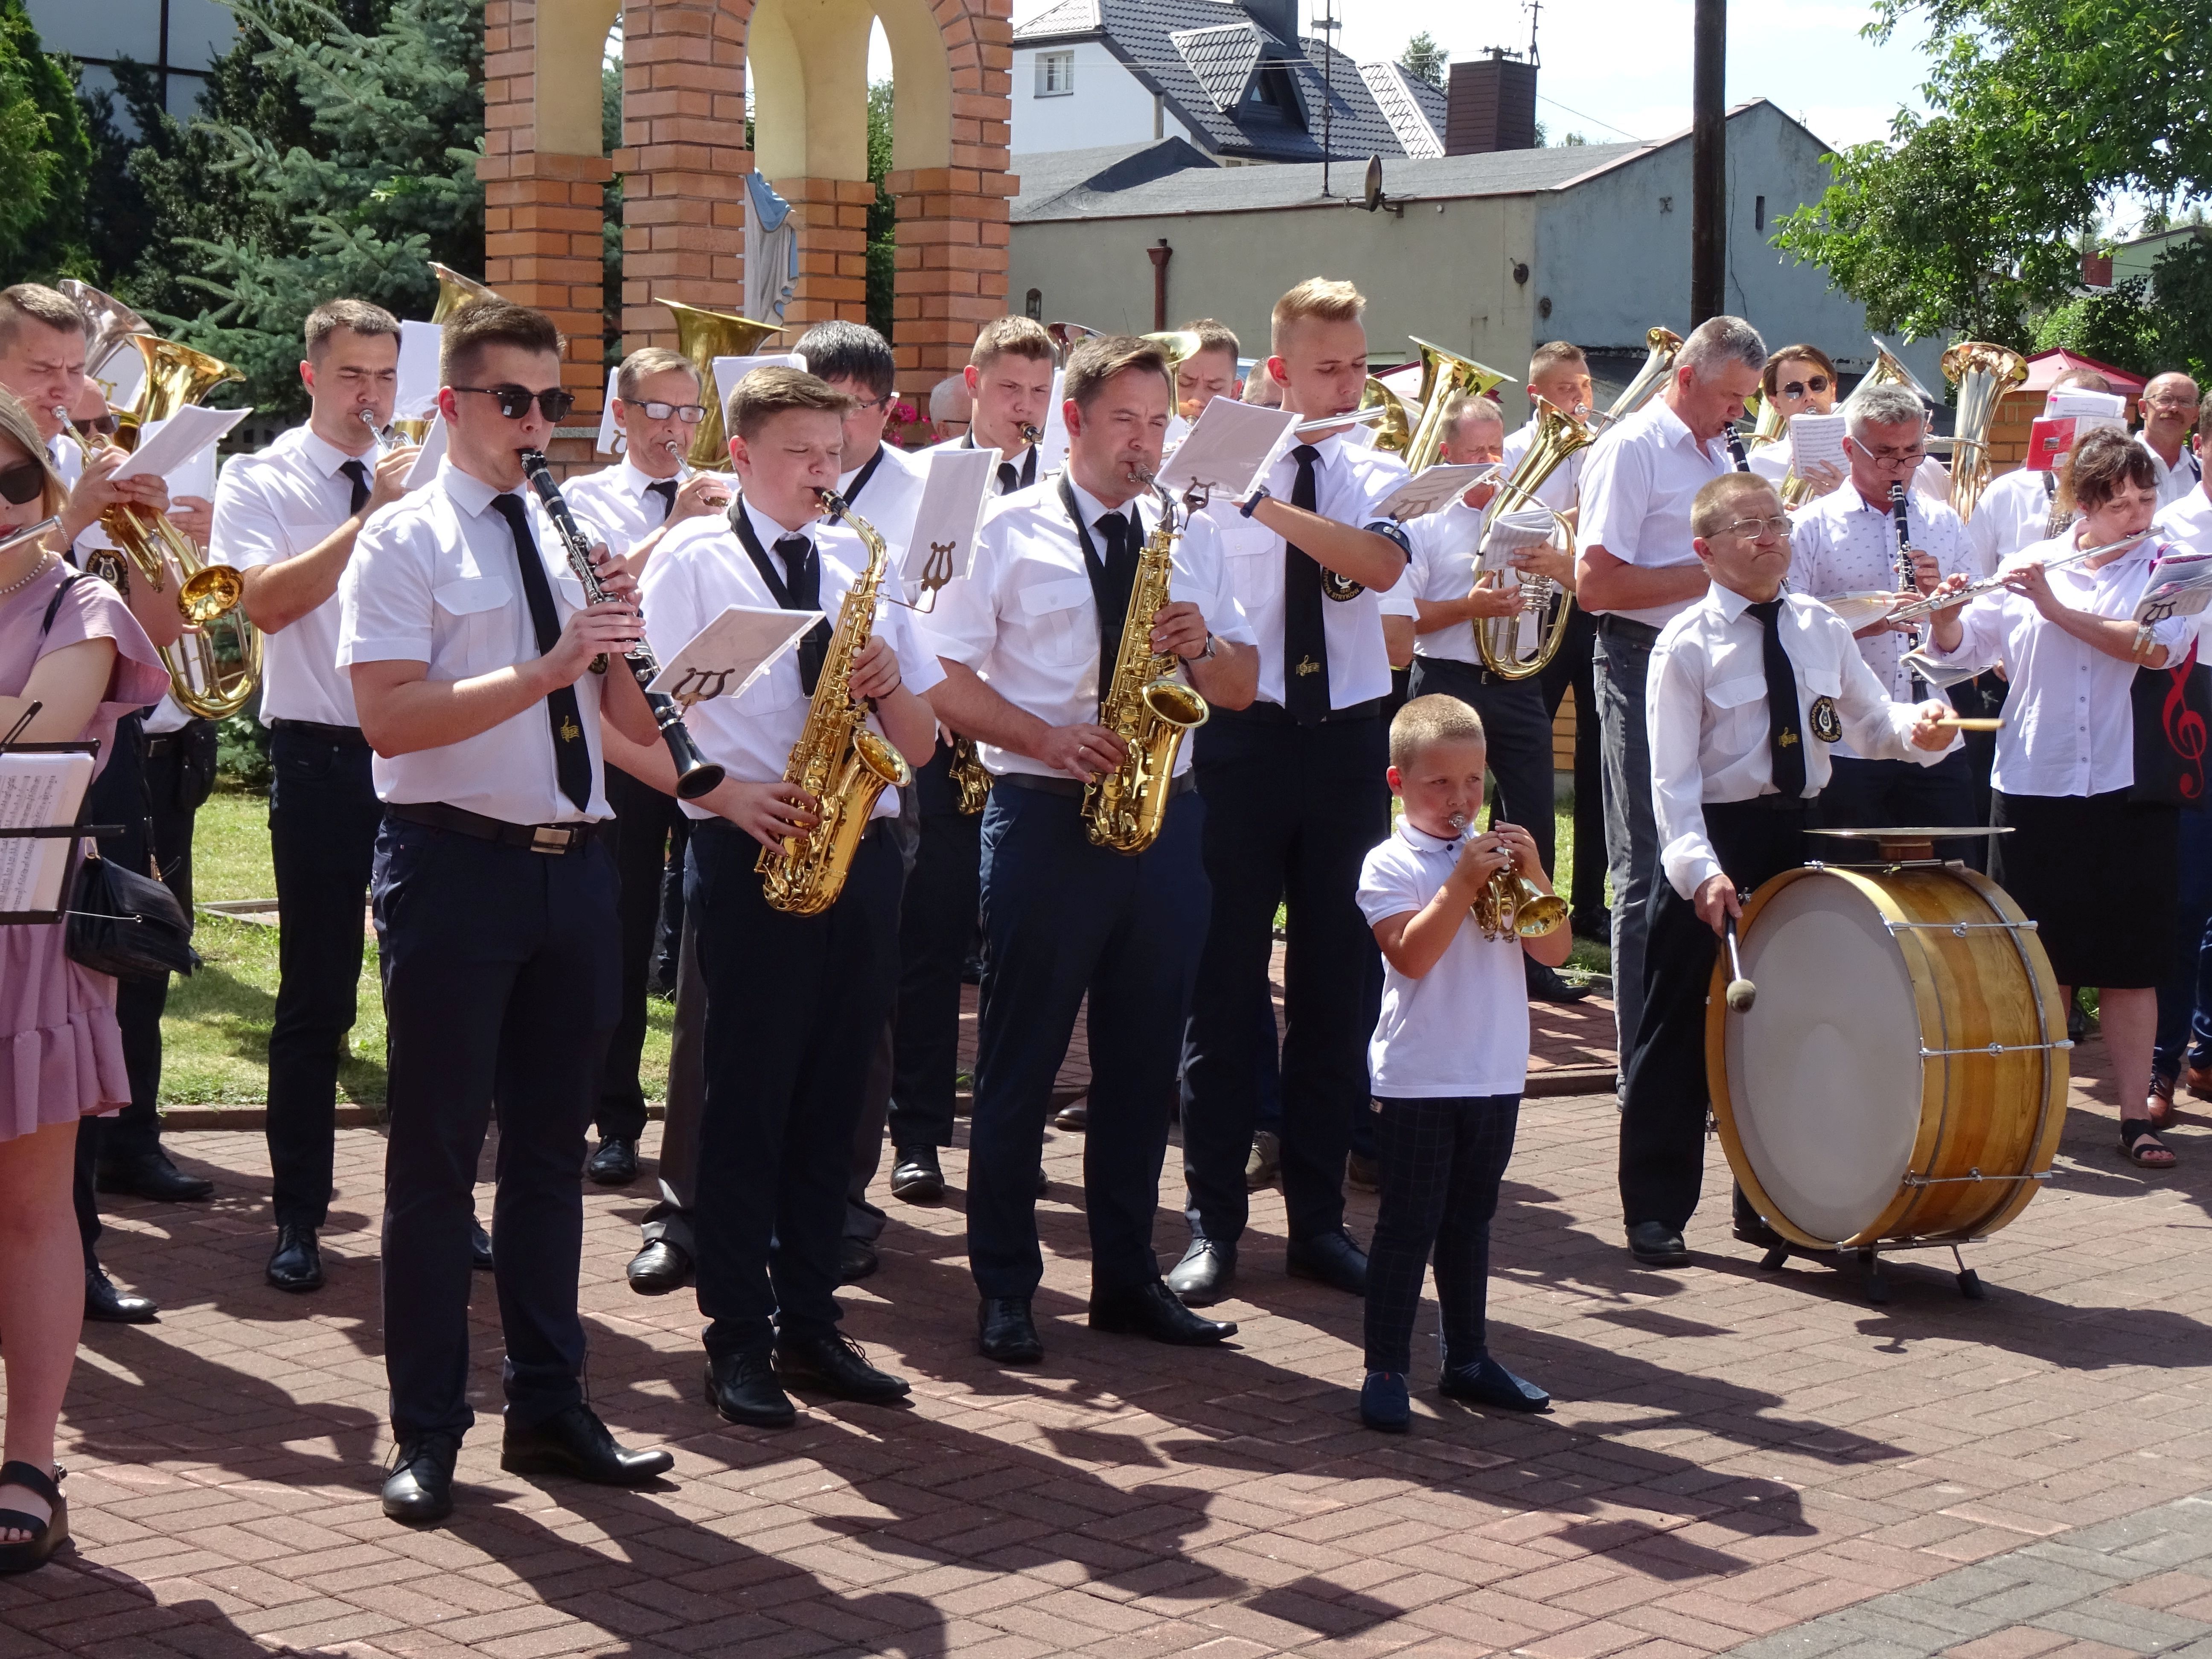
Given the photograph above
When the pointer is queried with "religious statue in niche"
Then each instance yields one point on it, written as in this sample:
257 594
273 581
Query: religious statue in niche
771 250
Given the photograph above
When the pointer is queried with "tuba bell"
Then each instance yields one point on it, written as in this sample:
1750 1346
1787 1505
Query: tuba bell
1663 346
1889 369
1983 375
1497 639
1444 375
1393 431
702 336
111 324
455 290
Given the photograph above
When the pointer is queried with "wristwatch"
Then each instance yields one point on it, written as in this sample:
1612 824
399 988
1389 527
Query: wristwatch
1209 653
1252 505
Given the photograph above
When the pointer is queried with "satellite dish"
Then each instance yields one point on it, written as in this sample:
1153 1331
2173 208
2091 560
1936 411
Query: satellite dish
1372 197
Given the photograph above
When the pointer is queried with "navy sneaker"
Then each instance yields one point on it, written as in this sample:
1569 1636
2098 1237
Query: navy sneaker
1383 1404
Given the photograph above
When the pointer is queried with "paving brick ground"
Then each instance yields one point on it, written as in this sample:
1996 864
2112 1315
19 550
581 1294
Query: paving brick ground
1735 1457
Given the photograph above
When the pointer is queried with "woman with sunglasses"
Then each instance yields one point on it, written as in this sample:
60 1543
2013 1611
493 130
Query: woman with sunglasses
74 661
1798 379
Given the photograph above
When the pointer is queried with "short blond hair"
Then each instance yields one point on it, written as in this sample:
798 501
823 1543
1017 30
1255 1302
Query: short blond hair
1316 299
1715 505
1433 718
1012 337
644 364
1556 354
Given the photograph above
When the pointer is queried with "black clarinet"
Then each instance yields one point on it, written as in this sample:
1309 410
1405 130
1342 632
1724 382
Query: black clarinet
1735 449
695 773
1907 579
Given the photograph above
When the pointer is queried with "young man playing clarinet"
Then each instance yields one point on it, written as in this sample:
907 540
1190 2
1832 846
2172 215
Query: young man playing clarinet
1749 686
288 519
1028 643
795 1003
469 642
1295 796
633 506
1009 376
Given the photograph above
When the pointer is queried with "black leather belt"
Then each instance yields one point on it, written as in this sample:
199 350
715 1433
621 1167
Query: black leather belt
1275 713
551 838
157 744
346 736
1045 786
1627 627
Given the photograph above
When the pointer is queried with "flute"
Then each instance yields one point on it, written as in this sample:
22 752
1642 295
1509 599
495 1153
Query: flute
695 773
12 539
1932 603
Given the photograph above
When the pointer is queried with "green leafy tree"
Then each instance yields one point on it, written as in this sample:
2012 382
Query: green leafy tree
2147 325
1424 59
45 157
883 214
2042 113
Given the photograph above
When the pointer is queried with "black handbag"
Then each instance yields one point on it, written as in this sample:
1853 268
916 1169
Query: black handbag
2172 709
128 924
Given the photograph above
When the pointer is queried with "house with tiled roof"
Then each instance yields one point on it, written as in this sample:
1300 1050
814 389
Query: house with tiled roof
1234 80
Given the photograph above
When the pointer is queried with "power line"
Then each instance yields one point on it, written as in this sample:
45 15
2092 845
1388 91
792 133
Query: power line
1578 115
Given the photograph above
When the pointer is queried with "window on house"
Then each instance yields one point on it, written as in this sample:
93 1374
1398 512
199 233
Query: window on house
1033 305
1759 213
1055 74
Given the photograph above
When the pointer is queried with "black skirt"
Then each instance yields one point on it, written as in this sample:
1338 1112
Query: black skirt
2100 876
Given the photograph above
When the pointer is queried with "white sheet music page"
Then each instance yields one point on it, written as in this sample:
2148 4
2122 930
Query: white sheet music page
1229 445
730 653
38 790
953 497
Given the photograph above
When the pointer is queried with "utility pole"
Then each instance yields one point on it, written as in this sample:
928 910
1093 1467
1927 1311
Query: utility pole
1709 161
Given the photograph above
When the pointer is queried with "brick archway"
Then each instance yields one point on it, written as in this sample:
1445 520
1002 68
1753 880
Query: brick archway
683 157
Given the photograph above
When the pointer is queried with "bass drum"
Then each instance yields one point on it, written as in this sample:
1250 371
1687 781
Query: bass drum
1902 1075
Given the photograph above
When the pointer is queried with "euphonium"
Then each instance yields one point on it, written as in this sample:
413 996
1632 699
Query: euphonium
111 324
1558 435
455 290
838 760
1444 375
702 336
1983 373
1664 346
1889 369
1393 432
1145 706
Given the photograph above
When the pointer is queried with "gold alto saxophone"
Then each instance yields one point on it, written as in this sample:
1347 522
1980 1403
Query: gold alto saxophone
1145 706
837 759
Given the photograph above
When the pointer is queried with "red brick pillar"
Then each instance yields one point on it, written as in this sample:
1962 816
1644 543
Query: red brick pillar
832 216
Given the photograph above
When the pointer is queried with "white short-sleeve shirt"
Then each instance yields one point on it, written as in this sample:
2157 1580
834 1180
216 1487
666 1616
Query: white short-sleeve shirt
618 504
1025 619
1460 1028
1445 544
1637 492
2016 511
434 579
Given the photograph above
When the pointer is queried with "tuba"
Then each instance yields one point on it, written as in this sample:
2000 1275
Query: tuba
1444 375
1889 370
1146 706
111 324
703 335
1558 435
1393 431
1983 375
837 759
1664 345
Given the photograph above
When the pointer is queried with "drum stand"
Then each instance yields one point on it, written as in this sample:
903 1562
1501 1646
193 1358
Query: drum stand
1873 1281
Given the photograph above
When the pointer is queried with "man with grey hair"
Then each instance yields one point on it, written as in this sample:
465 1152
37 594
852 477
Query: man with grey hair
2170 404
1637 571
1846 541
950 408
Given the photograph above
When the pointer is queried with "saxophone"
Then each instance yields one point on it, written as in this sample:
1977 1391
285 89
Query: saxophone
1145 707
970 778
837 759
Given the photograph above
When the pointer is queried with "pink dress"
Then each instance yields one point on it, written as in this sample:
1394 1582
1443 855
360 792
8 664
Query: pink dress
61 1055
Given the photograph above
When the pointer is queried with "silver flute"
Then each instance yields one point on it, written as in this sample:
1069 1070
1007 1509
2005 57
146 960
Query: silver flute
1930 603
30 533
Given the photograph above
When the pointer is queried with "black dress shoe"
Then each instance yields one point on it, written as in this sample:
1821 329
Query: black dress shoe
658 1268
575 1442
916 1176
1152 1310
856 1260
1204 1275
106 1305
1655 1244
615 1165
836 1364
1005 1332
1487 1383
1076 1115
1331 1259
742 1387
1545 984
297 1261
150 1174
479 1247
420 1488
1044 1181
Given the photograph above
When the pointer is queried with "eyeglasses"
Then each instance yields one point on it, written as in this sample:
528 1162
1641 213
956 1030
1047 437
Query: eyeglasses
1751 530
106 426
1894 457
879 403
25 482
1799 388
514 401
2171 405
690 414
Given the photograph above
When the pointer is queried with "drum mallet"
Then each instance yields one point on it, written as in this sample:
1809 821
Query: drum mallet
1741 993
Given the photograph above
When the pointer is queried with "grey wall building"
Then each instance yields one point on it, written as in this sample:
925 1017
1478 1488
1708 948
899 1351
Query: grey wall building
179 39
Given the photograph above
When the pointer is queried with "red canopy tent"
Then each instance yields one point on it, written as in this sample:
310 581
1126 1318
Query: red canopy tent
2046 367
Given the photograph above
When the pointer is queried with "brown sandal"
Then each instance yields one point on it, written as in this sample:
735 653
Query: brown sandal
2140 1143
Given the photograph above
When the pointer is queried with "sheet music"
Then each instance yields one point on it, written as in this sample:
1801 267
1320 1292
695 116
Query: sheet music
419 345
728 371
1435 487
1228 449
732 651
169 446
942 546
434 450
1816 439
37 790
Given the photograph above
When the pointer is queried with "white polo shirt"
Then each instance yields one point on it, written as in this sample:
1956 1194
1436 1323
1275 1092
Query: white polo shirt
1637 492
1461 1027
1350 484
434 579
618 504
2015 512
1025 619
700 570
276 506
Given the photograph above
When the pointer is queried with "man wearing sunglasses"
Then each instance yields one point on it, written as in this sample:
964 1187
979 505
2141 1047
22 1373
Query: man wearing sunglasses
469 640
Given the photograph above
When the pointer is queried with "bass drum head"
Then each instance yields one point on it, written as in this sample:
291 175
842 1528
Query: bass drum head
1824 1073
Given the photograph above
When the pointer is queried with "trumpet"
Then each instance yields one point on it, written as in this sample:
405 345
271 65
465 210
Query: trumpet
388 436
1511 906
1914 609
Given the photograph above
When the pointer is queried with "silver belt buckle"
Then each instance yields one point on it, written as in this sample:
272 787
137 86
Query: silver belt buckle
550 838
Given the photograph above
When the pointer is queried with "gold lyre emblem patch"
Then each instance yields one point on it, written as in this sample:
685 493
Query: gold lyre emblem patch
1826 726
570 731
1308 666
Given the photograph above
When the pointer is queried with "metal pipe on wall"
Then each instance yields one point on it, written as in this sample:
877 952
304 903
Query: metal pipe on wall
1161 253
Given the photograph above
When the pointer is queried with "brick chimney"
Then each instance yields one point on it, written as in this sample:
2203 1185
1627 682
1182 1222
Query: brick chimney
1490 105
1280 17
2096 270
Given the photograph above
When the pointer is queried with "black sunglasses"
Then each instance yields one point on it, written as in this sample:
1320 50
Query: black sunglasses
1799 388
514 401
106 425
24 481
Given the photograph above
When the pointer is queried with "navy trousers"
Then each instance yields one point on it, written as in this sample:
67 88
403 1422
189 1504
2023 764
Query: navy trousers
937 923
796 1006
645 819
324 816
1291 813
1064 918
501 975
1438 1164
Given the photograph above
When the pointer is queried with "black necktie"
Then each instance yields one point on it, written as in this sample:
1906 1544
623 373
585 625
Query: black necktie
1786 735
665 489
802 591
572 759
358 474
1305 643
1120 547
1010 479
